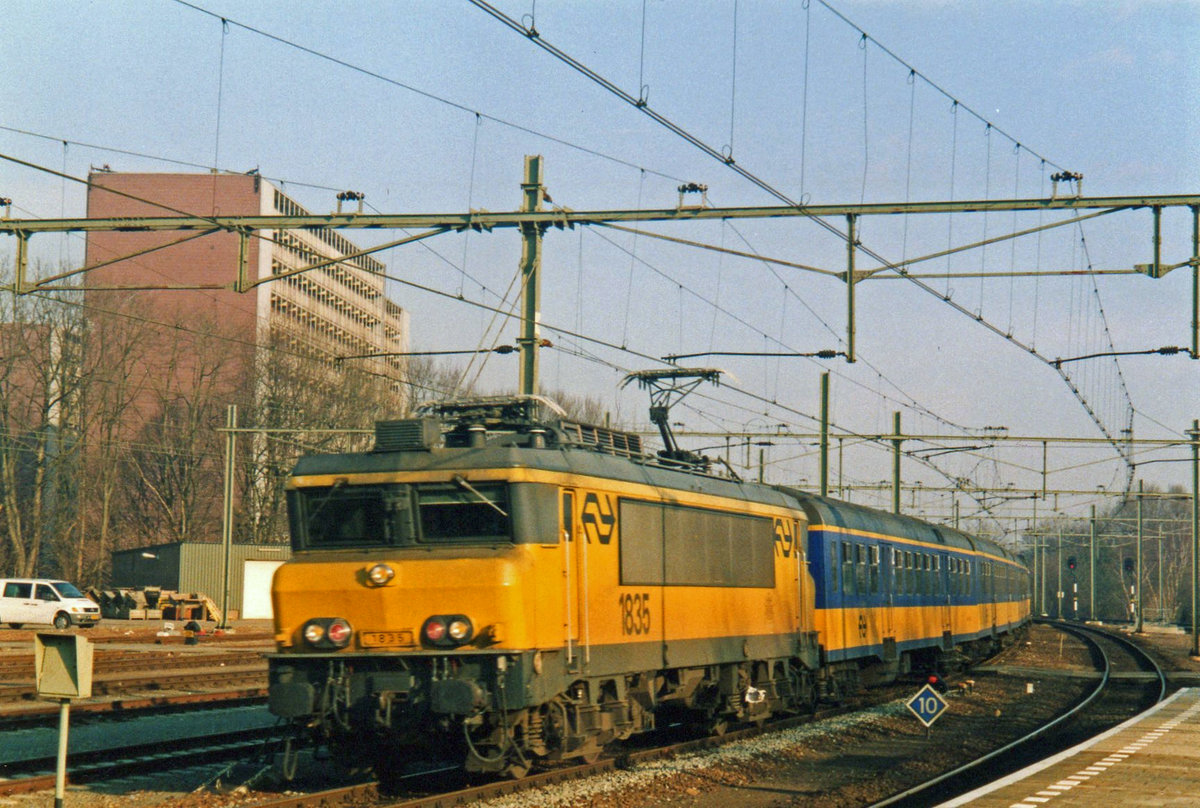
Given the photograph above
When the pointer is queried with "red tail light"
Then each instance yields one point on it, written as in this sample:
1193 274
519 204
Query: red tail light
435 630
448 630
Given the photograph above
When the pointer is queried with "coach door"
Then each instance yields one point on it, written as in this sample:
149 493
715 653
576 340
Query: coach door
888 583
941 576
985 594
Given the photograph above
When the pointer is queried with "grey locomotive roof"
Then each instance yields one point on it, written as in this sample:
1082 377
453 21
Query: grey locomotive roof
588 462
569 460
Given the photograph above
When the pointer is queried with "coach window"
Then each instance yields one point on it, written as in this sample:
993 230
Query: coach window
848 568
860 568
873 570
834 571
897 572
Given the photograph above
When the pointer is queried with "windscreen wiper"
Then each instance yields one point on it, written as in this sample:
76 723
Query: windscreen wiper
462 483
338 483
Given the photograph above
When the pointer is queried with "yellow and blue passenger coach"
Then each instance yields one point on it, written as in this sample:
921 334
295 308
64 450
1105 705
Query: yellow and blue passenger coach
503 586
894 593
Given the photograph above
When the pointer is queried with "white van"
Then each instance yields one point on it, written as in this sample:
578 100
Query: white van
39 600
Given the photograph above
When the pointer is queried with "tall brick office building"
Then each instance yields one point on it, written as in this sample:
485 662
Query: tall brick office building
186 336
334 311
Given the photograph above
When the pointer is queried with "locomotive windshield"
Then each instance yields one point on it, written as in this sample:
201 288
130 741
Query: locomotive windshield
394 515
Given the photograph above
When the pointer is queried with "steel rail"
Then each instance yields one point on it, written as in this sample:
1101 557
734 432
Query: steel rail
97 766
125 708
119 683
1088 636
622 760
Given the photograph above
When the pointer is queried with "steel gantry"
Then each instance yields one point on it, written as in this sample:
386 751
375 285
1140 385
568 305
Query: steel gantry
533 220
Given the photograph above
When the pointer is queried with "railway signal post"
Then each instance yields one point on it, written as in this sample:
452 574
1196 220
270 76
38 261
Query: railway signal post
927 706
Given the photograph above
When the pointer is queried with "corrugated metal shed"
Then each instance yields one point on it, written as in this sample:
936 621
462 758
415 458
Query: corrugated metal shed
192 567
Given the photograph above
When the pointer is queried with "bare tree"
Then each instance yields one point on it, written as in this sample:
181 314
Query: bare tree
39 340
174 466
304 402
112 378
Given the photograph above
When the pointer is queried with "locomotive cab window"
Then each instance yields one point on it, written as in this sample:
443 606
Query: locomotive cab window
454 513
344 515
340 515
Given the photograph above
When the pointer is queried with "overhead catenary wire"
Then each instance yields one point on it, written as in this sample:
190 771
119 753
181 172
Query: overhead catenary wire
423 93
226 21
533 36
174 210
1009 329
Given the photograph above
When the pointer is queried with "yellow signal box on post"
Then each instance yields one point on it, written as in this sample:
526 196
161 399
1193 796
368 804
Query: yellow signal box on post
63 666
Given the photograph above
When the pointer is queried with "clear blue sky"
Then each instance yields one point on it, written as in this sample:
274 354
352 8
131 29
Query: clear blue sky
1106 89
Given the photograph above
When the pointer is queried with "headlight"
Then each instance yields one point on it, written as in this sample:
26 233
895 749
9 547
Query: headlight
380 575
314 633
448 630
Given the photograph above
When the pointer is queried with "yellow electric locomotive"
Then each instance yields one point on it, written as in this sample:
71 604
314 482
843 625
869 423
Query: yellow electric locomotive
498 584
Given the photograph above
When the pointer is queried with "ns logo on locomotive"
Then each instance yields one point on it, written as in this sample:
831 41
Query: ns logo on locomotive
498 584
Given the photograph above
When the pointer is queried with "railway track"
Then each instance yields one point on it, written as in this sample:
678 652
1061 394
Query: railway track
1129 682
410 786
111 750
16 667
1129 685
45 713
412 790
224 673
89 767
